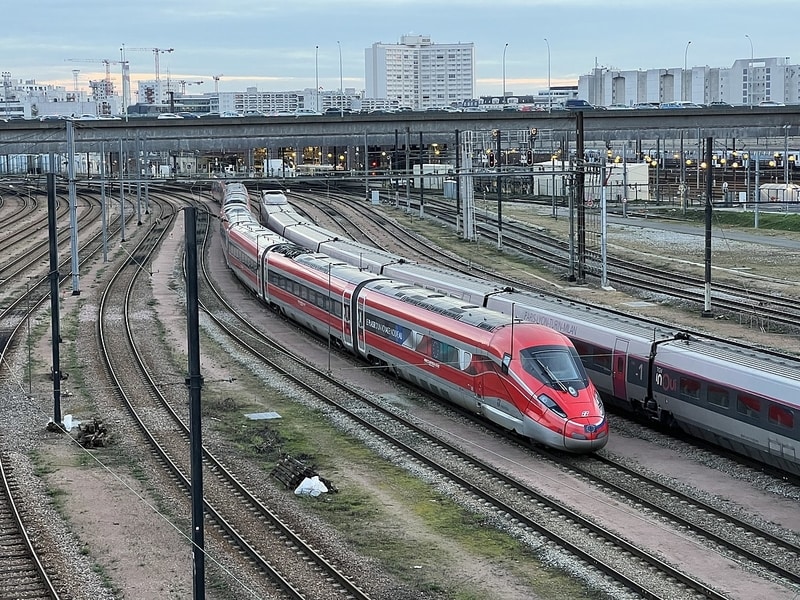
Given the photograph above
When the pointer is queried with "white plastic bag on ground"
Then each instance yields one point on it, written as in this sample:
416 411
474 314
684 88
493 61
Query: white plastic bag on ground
311 486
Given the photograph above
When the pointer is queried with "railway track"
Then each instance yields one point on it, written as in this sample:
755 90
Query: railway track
292 568
22 574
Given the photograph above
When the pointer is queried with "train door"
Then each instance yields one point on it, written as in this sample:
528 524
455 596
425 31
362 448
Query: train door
619 368
347 332
362 342
261 276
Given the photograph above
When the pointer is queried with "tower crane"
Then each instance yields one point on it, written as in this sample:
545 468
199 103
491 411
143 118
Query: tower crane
216 82
184 83
156 53
109 91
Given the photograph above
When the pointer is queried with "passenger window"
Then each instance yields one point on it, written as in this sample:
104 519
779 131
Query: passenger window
603 362
584 351
718 396
780 415
690 388
748 406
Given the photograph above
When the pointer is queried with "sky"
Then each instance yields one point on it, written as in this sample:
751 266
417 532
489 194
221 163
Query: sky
280 46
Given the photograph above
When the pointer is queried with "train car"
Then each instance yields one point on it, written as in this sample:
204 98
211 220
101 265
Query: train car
525 377
742 399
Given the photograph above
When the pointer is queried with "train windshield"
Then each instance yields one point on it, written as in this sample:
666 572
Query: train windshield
557 366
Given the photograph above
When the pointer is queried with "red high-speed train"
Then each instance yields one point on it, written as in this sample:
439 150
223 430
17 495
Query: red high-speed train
740 398
525 377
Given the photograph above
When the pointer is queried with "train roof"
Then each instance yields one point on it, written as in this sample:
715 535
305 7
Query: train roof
324 263
257 235
442 304
236 213
742 357
273 197
446 281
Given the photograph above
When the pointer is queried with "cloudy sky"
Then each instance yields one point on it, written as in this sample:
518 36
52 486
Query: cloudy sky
272 45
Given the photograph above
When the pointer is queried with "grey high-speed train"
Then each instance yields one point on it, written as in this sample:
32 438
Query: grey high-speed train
740 398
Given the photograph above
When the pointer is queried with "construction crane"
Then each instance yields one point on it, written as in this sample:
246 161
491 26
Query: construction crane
109 91
184 83
216 83
156 53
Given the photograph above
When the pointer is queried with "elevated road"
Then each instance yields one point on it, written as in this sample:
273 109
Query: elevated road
232 134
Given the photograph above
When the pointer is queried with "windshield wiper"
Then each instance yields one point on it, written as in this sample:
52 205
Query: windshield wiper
553 378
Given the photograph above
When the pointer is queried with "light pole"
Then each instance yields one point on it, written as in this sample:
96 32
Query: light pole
341 81
6 85
549 92
504 72
750 73
28 322
316 77
683 75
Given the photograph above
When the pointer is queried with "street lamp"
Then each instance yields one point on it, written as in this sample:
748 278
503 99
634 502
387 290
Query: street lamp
316 77
683 75
549 92
341 81
504 72
750 73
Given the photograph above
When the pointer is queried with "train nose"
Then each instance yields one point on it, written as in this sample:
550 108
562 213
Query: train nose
586 434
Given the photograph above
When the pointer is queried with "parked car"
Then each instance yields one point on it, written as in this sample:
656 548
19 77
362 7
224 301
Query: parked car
335 112
226 114
719 104
770 103
188 115
307 112
679 104
619 107
169 116
577 104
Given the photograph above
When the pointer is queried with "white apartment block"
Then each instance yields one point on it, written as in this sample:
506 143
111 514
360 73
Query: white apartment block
31 100
419 73
747 82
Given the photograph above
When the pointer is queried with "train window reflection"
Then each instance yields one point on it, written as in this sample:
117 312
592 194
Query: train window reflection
748 406
444 353
552 365
719 396
602 361
690 388
780 415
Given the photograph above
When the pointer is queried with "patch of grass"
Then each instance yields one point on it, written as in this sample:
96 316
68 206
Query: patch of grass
57 497
105 578
41 464
367 511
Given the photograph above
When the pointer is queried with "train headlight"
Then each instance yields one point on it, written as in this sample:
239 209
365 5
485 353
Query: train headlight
551 404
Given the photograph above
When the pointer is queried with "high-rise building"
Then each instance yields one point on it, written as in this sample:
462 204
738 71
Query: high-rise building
748 81
420 74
